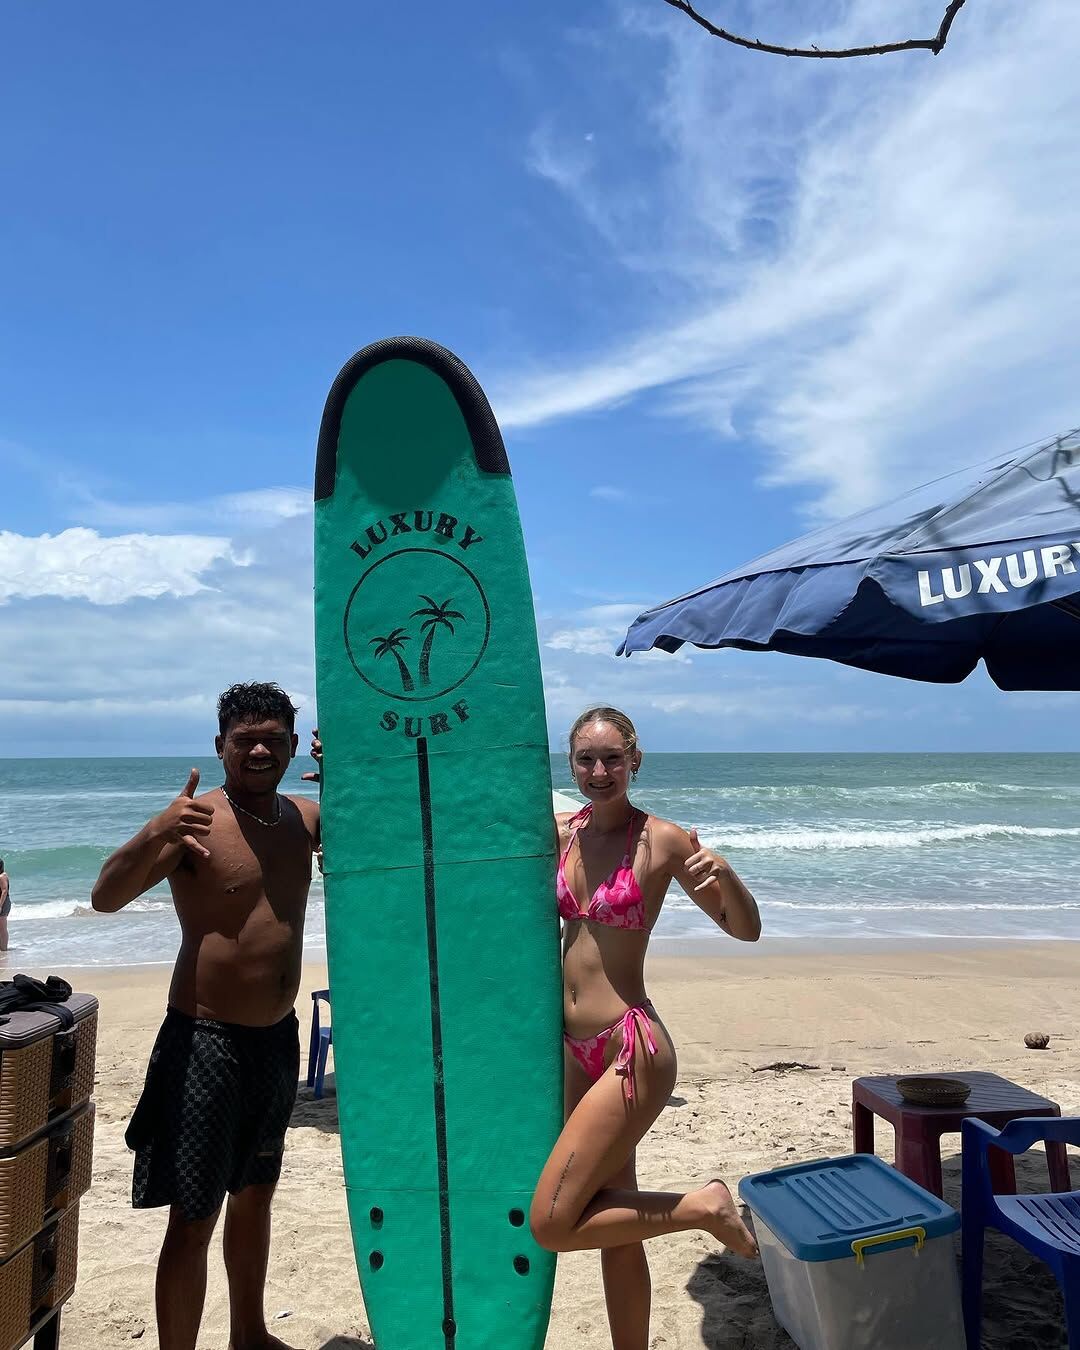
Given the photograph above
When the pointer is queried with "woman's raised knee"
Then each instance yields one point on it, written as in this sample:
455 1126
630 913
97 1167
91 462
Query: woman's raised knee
548 1229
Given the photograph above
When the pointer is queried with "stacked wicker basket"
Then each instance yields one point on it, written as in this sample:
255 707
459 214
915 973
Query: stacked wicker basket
46 1155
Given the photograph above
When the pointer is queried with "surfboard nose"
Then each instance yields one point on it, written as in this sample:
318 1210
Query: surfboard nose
418 409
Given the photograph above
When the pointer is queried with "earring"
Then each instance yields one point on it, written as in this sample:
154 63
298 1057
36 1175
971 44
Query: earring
633 773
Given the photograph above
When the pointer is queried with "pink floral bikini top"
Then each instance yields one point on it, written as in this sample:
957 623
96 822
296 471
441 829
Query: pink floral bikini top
618 901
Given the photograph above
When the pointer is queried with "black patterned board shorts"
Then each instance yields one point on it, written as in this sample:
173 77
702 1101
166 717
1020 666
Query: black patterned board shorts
213 1112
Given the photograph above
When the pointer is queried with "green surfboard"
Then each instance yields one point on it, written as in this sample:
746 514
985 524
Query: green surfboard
441 926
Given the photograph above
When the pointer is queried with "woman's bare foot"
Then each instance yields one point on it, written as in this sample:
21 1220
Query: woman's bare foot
722 1219
271 1343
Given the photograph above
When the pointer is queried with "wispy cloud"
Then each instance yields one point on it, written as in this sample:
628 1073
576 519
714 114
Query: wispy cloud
254 509
783 704
872 272
598 630
717 703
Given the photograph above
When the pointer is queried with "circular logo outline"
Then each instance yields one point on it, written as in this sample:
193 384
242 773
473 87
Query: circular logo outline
441 693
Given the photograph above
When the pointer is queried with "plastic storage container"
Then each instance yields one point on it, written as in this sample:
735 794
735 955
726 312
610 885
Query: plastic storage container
45 1070
857 1257
46 1156
38 1278
44 1176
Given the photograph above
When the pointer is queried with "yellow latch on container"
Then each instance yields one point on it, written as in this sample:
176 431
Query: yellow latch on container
860 1245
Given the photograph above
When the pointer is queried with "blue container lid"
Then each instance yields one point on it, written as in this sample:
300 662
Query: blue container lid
818 1209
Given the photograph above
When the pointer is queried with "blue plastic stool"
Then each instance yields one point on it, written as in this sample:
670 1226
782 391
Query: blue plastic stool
1047 1225
318 1047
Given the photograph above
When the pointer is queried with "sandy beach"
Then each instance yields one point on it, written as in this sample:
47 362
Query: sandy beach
864 1010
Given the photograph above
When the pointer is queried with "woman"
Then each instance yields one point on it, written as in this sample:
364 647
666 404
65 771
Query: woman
5 906
615 865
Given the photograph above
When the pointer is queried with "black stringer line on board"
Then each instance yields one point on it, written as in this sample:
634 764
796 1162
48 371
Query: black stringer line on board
424 782
486 437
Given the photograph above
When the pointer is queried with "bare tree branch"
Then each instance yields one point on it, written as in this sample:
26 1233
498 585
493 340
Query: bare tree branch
933 44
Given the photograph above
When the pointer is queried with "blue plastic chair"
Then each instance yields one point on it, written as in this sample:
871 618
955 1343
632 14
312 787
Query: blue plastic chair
319 1046
1047 1225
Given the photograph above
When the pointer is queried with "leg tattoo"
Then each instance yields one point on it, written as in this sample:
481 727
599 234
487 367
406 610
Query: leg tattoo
558 1188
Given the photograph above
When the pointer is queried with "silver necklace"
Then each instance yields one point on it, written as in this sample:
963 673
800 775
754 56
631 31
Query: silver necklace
237 807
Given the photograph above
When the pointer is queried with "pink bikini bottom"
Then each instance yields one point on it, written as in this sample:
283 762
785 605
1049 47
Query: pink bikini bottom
589 1051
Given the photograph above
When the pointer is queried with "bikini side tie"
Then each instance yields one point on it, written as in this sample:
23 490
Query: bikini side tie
624 1060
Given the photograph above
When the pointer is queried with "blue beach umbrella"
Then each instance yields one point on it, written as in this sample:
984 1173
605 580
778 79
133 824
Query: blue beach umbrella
984 563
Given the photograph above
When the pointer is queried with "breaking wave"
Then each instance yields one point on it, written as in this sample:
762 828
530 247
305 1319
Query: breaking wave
917 837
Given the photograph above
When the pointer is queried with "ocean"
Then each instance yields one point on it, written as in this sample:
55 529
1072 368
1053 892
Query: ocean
835 847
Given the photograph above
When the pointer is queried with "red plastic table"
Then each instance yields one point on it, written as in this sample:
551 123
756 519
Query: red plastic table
919 1128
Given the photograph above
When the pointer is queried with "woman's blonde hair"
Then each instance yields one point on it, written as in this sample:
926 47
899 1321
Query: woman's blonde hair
617 719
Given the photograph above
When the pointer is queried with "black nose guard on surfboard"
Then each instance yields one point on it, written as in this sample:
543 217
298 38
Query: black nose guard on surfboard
441 926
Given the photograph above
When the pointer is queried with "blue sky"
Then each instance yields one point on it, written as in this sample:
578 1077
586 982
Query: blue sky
715 298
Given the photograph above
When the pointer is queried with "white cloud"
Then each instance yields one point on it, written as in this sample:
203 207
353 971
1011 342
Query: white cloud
109 708
604 492
871 267
82 564
142 676
587 641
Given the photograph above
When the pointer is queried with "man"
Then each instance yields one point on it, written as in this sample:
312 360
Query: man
5 906
222 1077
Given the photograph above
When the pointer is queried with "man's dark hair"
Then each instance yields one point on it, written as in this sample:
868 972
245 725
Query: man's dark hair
255 703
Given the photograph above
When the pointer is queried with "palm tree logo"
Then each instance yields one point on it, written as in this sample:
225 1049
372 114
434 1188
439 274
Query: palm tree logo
391 644
435 616
425 611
